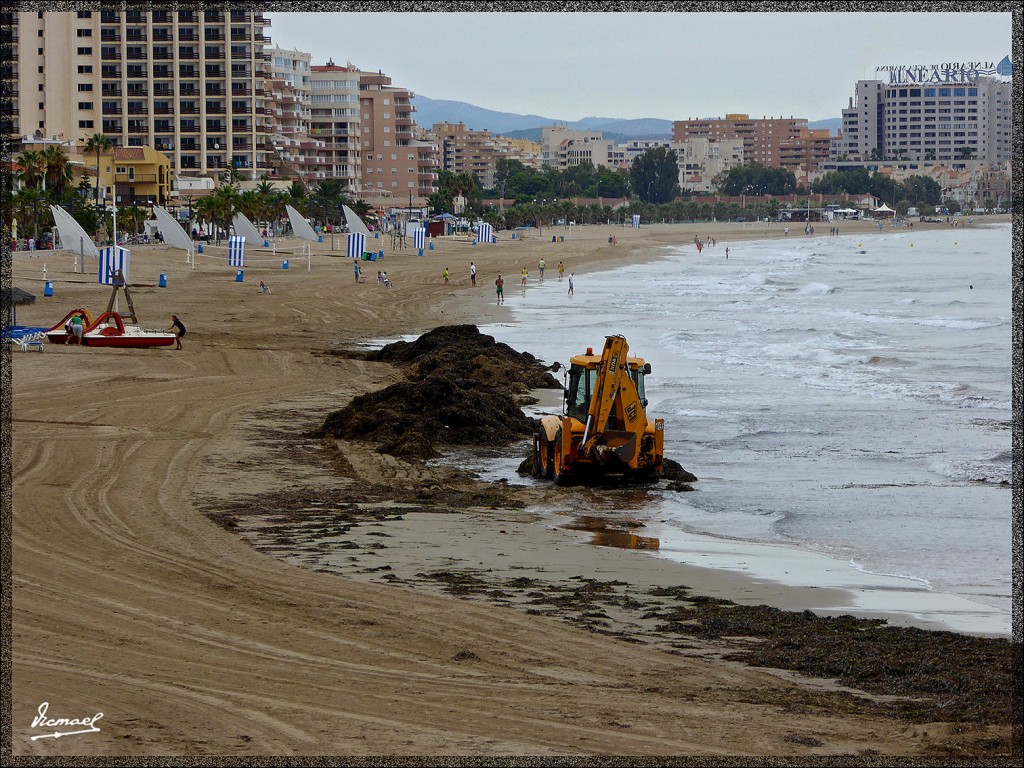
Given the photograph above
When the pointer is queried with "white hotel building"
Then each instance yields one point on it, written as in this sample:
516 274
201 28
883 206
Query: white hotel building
930 114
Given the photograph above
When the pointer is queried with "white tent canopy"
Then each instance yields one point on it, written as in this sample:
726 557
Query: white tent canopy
245 228
72 236
173 234
300 226
355 224
883 208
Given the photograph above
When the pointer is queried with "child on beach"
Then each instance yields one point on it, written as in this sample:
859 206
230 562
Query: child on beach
524 277
570 282
561 271
445 275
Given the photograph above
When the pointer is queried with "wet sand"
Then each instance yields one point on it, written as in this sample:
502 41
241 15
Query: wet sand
136 593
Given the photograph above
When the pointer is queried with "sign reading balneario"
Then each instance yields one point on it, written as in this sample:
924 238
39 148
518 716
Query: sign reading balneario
960 73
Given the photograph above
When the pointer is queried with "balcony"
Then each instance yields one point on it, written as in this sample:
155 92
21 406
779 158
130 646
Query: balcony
188 54
110 36
162 55
263 20
137 56
213 90
140 110
187 36
241 91
216 111
213 17
215 55
163 111
162 17
183 110
112 110
213 36
163 73
188 73
110 55
187 127
138 129
110 89
187 17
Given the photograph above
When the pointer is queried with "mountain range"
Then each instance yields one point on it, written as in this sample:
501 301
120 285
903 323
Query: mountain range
430 111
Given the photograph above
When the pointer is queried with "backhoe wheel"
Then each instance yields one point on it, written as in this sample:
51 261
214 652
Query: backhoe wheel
559 476
538 452
546 452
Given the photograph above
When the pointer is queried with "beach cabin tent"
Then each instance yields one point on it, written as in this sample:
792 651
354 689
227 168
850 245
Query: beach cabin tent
884 211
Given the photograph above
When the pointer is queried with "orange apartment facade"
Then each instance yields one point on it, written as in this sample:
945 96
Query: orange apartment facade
395 164
771 141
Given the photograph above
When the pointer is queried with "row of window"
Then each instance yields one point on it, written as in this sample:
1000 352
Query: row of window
904 93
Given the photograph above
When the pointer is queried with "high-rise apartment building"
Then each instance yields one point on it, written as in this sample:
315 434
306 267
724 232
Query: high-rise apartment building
289 102
334 119
762 139
395 163
954 115
188 83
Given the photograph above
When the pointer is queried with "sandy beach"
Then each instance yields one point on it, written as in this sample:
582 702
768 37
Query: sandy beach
152 581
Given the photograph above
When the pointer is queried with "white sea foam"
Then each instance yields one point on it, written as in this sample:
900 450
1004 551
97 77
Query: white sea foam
837 400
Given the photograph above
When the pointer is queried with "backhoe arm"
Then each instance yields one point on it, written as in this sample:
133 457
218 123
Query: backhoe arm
608 382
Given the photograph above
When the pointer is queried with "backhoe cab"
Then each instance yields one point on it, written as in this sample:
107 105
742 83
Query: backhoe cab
604 429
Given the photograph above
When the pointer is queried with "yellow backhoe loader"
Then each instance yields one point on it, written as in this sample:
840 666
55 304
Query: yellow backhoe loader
604 429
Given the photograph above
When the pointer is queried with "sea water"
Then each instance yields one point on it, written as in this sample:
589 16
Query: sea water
842 395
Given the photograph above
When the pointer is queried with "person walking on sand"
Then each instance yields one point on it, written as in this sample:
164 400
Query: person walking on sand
445 275
540 266
561 271
179 330
570 283
525 273
472 274
355 270
499 286
727 253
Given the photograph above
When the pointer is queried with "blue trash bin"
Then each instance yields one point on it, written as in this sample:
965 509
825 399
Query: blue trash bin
431 245
163 280
239 276
380 254
284 264
420 252
48 288
200 248
320 238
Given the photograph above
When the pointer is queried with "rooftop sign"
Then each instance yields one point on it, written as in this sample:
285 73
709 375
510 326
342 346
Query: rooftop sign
961 73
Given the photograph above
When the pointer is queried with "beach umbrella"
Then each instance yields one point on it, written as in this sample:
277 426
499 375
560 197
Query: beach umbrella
12 298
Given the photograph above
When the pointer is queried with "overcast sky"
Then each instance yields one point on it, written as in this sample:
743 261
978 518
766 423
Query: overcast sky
568 66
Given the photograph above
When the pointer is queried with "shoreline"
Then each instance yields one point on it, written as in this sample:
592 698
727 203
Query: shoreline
118 454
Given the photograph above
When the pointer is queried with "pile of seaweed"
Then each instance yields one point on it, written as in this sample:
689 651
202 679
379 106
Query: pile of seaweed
461 387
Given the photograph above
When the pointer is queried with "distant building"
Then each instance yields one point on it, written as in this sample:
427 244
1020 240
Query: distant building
703 161
763 139
937 114
395 164
334 118
475 152
562 148
297 155
187 82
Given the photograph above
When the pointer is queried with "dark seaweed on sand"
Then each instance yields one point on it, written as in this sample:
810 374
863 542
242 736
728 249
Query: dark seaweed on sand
461 388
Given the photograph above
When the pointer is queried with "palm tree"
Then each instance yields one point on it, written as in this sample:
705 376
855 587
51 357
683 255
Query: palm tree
99 144
31 165
57 168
